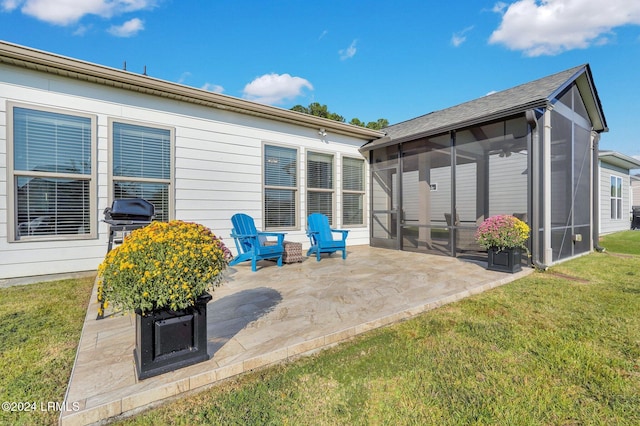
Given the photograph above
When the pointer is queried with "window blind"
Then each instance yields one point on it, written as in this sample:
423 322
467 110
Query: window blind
142 165
52 173
320 184
51 142
280 186
142 152
352 191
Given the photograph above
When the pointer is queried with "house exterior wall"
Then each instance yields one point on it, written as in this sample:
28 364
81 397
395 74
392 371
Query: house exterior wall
607 224
635 191
217 170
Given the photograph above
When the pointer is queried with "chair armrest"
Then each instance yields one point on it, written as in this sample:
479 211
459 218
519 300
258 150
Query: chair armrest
344 232
271 234
280 236
234 235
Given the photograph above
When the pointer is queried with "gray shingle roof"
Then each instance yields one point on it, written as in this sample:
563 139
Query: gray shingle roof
507 102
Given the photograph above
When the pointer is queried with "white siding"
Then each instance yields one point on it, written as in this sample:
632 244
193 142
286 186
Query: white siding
635 191
608 225
218 164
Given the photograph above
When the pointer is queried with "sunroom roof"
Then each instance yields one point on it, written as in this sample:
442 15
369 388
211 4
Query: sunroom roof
535 94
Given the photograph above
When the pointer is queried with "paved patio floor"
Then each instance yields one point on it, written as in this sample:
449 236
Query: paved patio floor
270 316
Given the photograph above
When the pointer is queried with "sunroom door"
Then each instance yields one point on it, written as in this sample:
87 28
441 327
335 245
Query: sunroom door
384 198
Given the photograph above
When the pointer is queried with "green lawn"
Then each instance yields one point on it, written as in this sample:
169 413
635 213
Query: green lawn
622 242
556 348
40 327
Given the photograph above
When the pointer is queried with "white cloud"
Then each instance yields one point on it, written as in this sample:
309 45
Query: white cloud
349 52
275 88
210 87
184 76
550 27
9 5
81 30
128 29
68 12
324 33
460 37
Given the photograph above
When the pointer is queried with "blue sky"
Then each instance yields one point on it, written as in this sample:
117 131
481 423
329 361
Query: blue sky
366 59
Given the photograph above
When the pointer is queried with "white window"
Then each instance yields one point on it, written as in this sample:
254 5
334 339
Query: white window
51 174
353 191
141 167
320 187
616 197
280 187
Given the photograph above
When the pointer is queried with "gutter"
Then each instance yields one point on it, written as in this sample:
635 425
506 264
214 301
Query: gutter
497 115
41 61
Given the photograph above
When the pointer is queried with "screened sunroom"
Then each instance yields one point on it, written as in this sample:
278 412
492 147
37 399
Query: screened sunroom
526 151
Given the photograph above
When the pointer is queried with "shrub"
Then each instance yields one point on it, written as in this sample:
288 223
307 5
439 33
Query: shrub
163 265
503 232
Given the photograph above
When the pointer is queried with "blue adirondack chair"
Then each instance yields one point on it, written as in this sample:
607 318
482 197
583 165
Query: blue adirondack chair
253 245
321 236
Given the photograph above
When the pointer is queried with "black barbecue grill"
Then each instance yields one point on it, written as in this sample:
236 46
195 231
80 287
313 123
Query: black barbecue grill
125 215
635 219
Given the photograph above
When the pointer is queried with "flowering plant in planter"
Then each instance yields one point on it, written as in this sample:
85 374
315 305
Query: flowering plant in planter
163 265
503 232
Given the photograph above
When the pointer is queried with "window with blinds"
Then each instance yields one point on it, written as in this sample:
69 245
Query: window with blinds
52 158
320 187
141 165
352 191
280 187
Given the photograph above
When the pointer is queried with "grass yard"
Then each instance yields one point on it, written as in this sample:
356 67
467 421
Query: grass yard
559 348
40 327
622 242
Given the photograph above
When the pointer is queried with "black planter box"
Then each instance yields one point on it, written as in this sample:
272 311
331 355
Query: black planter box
167 340
507 260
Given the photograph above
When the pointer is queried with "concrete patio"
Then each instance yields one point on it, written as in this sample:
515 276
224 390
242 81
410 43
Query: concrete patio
270 316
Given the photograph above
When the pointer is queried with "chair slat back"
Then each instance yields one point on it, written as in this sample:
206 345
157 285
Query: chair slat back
320 223
244 225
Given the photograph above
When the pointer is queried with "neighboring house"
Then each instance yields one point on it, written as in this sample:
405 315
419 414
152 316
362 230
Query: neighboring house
74 136
527 151
635 190
615 191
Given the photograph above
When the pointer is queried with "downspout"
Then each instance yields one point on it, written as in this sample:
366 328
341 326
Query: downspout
534 167
547 252
595 205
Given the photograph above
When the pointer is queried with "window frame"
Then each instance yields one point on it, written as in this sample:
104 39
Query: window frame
111 179
616 213
332 190
362 192
12 199
295 188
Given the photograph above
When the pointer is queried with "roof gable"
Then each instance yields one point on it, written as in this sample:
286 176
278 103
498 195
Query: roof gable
535 94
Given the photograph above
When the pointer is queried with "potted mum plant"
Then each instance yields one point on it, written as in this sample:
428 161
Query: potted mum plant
163 273
504 237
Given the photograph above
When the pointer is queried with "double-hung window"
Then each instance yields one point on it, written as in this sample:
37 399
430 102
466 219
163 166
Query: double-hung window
280 187
51 173
320 186
352 191
142 165
616 197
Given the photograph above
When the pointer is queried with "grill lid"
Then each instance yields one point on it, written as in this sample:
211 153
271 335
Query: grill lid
129 209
